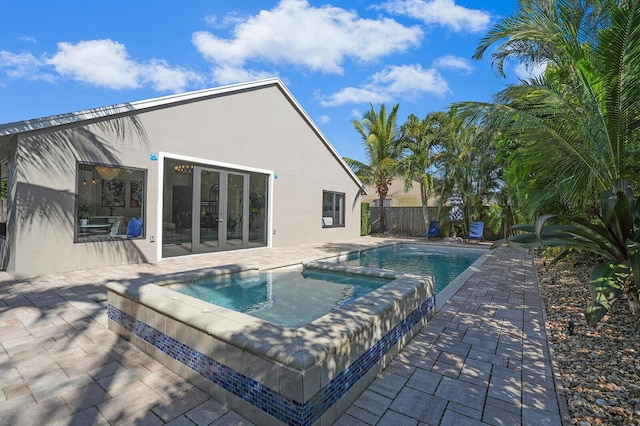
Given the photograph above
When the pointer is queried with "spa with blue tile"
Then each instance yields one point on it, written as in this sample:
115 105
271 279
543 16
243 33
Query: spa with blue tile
274 374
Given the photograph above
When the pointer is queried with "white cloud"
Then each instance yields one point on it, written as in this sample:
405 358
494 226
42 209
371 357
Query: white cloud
355 95
525 72
165 78
316 38
212 20
324 119
107 63
453 62
392 83
227 74
23 65
440 12
99 62
230 20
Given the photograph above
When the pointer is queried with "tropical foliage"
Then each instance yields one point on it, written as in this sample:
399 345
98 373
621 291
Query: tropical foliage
563 146
468 167
379 133
614 237
574 132
421 143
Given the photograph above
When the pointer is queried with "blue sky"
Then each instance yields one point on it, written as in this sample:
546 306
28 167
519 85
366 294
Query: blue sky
335 57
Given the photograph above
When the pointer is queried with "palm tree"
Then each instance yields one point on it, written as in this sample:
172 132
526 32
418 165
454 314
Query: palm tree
419 141
467 166
577 125
554 32
577 131
380 136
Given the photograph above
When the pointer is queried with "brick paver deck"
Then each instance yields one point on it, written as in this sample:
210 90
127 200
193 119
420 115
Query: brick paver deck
483 358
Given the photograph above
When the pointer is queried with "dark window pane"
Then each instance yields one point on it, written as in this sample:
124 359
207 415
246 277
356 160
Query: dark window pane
108 198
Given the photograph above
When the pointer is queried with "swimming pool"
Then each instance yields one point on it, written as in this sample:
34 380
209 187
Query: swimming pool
291 298
271 373
444 263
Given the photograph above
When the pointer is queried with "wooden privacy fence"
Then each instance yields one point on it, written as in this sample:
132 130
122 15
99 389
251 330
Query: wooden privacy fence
402 220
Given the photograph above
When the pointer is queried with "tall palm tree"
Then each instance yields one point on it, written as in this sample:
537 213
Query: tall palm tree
467 166
419 141
380 136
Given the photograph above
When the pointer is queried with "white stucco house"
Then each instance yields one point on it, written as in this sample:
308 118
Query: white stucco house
229 168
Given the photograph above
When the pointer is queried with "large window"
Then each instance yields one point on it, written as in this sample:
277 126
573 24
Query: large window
332 209
110 202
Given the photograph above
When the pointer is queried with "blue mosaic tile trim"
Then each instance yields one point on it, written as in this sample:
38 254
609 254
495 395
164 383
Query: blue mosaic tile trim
262 397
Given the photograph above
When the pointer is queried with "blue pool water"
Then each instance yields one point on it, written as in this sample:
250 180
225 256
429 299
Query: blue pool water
445 264
291 298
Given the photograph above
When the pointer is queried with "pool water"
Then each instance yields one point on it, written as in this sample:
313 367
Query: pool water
443 263
290 298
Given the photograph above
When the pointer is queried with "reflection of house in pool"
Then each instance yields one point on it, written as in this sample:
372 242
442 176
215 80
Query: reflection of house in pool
216 169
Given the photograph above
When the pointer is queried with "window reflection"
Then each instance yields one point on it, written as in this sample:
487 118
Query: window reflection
257 209
110 202
332 209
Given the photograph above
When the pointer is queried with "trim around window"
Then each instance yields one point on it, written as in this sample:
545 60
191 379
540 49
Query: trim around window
333 209
110 202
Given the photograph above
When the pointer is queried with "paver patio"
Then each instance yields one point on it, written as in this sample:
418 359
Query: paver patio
483 358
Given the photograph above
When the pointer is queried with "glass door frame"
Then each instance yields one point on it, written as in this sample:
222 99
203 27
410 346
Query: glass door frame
244 218
173 189
196 200
223 203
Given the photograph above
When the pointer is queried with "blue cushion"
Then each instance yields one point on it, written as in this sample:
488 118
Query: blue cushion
434 229
476 230
134 228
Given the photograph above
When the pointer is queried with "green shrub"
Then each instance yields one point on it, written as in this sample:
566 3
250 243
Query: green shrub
365 219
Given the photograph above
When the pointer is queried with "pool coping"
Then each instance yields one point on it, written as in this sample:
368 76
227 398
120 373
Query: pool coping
300 347
310 343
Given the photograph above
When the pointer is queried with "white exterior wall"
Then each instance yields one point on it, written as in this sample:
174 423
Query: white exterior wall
258 128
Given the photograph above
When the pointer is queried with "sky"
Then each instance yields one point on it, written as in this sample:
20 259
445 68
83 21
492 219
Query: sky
337 58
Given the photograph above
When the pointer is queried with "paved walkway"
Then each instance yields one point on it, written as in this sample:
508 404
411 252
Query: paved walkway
483 359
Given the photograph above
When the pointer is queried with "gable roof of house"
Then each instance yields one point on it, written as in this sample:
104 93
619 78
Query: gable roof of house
99 113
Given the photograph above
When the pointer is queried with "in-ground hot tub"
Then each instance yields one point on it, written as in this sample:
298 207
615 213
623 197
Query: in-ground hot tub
272 374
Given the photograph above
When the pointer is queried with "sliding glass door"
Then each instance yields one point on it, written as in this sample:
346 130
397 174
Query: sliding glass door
237 209
221 204
207 209
206 202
